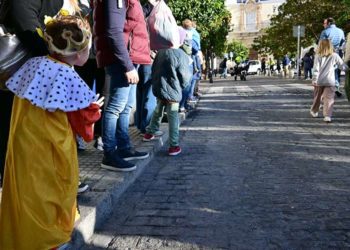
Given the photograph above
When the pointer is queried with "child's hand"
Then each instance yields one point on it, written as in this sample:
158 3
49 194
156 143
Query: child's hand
99 101
314 83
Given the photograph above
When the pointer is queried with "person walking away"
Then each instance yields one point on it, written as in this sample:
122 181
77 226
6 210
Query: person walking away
223 65
122 43
272 66
263 66
308 64
286 65
324 79
169 64
278 66
337 37
38 204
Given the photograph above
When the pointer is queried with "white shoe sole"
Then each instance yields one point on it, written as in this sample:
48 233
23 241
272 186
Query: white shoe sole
136 157
117 169
82 190
152 139
175 153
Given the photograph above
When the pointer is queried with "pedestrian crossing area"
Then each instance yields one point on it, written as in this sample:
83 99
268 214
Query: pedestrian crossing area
262 88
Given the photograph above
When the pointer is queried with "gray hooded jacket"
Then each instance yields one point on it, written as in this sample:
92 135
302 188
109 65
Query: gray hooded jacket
170 74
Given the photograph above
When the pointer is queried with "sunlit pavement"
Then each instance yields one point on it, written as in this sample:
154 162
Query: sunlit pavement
256 172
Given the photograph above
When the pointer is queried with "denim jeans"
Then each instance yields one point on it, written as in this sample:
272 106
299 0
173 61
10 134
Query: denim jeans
192 86
308 73
185 95
115 121
145 100
173 121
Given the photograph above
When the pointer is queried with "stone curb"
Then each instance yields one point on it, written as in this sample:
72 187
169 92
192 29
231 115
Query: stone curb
96 205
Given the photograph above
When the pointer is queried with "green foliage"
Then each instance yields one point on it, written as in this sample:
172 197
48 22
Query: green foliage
278 38
212 17
239 49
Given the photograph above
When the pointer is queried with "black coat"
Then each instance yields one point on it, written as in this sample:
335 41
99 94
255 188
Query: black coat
24 16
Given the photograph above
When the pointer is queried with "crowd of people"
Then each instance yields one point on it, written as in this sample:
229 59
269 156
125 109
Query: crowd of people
83 52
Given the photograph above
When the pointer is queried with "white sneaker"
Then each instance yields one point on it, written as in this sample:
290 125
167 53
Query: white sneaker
99 144
327 119
81 145
313 114
158 133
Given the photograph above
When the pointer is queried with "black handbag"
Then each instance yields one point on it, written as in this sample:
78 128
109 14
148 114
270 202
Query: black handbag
13 55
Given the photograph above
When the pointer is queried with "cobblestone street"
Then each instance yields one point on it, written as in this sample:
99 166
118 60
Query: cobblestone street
256 172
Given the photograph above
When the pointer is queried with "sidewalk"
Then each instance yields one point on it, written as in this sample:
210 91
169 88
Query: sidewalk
107 186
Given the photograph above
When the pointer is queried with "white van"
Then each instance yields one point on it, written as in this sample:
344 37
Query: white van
254 67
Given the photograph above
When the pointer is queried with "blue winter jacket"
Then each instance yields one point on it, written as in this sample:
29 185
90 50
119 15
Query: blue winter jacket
170 74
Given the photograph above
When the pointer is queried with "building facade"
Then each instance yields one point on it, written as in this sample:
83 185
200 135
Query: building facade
249 18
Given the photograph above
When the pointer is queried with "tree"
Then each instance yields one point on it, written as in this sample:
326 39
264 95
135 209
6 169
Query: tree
278 38
212 18
239 50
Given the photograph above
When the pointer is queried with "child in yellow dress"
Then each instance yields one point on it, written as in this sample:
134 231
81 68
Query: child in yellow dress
41 177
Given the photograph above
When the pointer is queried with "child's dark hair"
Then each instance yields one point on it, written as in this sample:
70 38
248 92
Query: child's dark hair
67 34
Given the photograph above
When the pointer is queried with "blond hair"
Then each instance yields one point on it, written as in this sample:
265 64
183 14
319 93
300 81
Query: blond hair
75 5
325 48
187 24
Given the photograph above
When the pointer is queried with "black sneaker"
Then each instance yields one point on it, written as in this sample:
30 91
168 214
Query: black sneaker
115 163
338 93
82 187
131 154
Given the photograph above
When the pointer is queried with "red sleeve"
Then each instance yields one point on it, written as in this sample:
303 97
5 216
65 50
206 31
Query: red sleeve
82 121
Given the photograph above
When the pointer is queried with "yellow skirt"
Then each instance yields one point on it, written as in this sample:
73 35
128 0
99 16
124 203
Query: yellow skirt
41 178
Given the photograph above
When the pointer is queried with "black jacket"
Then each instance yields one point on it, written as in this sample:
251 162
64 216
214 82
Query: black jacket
24 16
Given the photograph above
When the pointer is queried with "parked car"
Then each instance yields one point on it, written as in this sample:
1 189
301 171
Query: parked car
254 67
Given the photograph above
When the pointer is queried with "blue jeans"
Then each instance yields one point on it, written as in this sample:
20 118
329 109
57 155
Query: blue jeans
173 121
185 95
115 123
308 73
145 100
192 86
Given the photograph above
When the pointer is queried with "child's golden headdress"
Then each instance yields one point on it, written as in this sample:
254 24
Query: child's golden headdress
66 34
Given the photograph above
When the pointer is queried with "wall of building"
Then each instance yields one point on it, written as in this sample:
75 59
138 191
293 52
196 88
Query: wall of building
249 18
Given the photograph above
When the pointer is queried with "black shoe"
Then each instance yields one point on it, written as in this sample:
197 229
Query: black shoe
131 154
338 93
113 162
82 187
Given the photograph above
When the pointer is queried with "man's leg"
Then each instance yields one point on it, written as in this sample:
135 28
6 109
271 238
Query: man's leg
145 100
124 146
117 101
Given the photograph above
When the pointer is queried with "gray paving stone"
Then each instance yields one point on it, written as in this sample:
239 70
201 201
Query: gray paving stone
256 172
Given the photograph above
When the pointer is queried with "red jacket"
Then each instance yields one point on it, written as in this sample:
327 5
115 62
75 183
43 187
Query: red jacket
120 34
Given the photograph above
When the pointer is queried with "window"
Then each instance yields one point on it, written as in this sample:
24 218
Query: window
250 21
